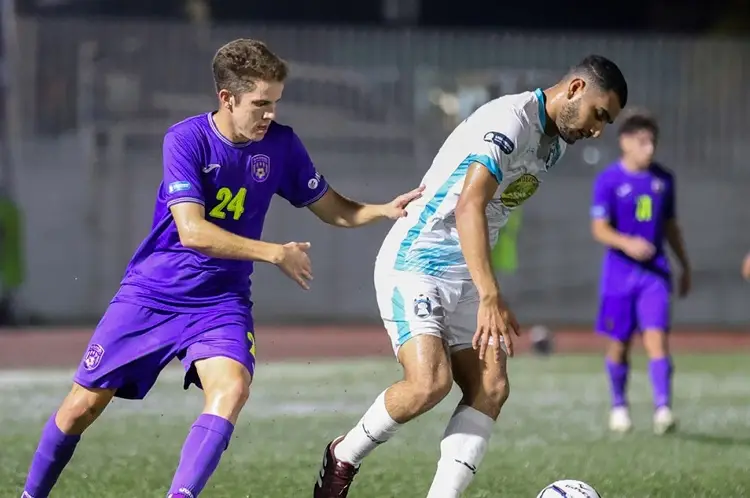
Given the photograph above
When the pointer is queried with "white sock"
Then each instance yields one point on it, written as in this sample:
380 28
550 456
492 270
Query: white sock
375 428
461 451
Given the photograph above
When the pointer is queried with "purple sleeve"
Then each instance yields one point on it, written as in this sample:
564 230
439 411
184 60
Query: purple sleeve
601 204
670 210
302 184
182 180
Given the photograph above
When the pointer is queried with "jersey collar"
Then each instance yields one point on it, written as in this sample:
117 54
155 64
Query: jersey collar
542 111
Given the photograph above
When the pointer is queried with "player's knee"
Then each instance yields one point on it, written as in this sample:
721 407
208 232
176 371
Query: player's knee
81 407
430 390
618 352
655 343
232 393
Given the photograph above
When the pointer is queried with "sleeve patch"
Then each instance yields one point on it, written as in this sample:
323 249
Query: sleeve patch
179 186
502 141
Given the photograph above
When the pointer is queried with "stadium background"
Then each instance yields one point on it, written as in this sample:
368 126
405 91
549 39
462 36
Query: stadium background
87 102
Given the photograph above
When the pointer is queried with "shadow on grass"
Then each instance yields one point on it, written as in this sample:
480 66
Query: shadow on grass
712 439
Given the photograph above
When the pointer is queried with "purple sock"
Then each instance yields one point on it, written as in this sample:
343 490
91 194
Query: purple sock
52 455
618 381
660 371
208 439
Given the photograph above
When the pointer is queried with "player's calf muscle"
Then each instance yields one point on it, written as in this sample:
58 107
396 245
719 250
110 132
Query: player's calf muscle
81 407
484 383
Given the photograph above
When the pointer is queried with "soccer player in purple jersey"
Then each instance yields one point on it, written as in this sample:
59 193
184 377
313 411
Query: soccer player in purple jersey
633 215
185 293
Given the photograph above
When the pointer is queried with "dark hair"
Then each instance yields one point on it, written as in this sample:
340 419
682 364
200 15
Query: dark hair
639 122
240 63
605 74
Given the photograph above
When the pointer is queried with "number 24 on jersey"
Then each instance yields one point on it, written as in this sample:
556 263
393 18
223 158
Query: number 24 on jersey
228 201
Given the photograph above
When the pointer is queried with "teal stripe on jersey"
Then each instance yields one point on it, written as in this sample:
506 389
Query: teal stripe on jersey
434 260
399 316
542 110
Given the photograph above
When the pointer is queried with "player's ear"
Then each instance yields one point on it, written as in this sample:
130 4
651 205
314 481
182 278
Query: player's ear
226 98
576 86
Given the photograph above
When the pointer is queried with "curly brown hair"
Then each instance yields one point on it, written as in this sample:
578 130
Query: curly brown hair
239 64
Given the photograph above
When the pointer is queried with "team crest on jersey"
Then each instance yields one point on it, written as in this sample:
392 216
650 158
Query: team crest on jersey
93 357
260 167
519 191
657 185
422 306
502 141
623 190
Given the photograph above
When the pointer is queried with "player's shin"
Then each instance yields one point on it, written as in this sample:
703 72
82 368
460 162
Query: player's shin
375 428
208 439
461 451
618 380
660 371
52 455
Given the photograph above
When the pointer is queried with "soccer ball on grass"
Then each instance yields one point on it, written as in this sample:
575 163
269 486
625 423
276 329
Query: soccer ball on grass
568 488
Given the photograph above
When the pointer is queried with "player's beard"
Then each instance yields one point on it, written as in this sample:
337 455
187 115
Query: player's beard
568 116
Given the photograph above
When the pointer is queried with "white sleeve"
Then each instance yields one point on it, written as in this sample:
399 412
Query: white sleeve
499 142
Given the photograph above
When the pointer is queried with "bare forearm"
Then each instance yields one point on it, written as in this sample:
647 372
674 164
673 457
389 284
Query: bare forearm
216 242
351 214
677 243
608 236
474 234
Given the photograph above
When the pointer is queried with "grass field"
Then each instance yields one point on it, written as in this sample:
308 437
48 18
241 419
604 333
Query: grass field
553 427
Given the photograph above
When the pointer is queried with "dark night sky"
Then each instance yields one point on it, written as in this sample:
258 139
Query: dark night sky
633 15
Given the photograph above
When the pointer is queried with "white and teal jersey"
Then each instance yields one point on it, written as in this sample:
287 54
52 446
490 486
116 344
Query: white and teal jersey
506 135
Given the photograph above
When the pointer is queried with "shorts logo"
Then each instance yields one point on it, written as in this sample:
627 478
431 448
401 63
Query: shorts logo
502 141
422 306
260 167
93 357
251 340
175 187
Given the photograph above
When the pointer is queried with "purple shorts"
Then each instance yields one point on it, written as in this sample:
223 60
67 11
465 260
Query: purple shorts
646 305
132 344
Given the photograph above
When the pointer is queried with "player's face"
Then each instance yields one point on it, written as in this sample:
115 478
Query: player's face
253 112
638 147
586 111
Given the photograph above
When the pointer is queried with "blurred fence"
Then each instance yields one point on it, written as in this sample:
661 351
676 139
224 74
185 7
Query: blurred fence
372 107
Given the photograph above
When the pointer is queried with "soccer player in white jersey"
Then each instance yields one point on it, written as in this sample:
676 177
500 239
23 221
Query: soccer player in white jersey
437 293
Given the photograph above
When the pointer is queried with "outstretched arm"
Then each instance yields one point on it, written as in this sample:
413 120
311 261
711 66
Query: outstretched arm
337 210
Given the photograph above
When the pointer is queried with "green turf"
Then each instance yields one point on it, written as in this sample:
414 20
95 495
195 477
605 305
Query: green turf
553 427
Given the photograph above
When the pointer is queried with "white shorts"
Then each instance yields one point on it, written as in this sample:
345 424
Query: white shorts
412 304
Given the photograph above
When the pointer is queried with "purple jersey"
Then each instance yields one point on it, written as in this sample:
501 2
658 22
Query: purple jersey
636 204
235 183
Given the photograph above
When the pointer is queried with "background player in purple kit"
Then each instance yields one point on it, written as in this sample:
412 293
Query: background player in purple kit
633 214
185 293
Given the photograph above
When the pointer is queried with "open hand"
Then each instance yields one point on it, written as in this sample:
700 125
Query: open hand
295 263
496 325
639 249
397 207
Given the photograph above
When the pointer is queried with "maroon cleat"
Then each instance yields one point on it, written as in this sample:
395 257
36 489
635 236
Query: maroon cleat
335 476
